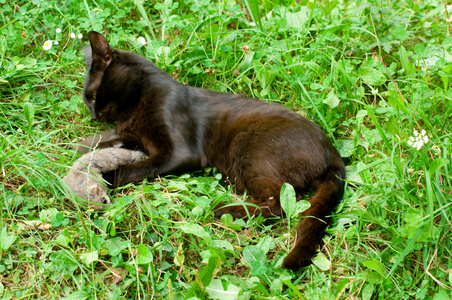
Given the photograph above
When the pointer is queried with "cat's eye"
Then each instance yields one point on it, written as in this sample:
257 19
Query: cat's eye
104 201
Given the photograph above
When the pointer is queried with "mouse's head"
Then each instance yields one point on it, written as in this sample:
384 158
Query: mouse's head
98 196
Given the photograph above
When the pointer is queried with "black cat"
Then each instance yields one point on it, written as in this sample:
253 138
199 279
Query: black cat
258 146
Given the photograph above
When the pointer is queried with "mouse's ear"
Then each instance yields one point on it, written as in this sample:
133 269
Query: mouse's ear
94 189
101 51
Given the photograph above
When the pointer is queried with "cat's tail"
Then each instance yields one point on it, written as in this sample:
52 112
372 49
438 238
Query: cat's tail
314 221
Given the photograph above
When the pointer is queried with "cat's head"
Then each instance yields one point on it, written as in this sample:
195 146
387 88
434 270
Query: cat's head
110 85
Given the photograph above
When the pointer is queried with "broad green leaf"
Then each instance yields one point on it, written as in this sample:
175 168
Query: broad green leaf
247 59
360 116
276 287
419 49
215 290
256 259
6 240
298 19
205 276
79 295
437 164
442 295
63 262
29 112
413 222
353 174
332 100
197 230
396 101
227 219
372 76
407 66
62 240
400 33
197 211
446 74
368 290
345 147
144 255
89 258
288 199
386 173
367 134
289 202
340 285
48 215
322 262
330 36
115 245
434 55
266 243
392 125
222 244
375 265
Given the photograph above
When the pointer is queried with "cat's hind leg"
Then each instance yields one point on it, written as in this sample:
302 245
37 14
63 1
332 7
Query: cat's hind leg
265 195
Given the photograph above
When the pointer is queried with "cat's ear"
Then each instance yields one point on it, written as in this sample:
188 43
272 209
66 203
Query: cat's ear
101 52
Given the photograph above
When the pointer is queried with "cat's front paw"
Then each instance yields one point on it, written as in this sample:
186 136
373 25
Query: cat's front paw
120 177
124 175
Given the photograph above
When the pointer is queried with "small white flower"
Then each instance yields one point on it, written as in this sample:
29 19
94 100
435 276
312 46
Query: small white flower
58 30
72 35
56 43
141 40
47 45
373 91
79 36
418 140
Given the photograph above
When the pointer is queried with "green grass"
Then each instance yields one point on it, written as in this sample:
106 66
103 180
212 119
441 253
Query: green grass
369 73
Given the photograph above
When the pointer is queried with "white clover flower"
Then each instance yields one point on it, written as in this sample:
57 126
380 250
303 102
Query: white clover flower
58 30
79 36
418 140
47 45
141 40
72 35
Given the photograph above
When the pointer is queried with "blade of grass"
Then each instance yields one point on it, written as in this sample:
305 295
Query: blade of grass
145 17
253 9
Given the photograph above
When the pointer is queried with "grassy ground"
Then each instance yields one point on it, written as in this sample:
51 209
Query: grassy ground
375 75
